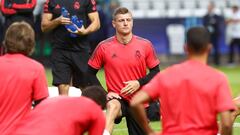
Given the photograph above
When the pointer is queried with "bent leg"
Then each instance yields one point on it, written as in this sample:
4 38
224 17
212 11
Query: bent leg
113 111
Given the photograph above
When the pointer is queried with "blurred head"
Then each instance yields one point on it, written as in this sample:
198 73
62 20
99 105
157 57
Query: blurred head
234 8
97 94
20 38
211 7
122 21
198 40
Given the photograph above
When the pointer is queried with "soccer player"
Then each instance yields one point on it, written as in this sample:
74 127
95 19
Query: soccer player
125 58
22 80
65 115
15 11
70 54
191 93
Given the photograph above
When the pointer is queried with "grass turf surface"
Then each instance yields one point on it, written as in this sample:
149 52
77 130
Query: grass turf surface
232 73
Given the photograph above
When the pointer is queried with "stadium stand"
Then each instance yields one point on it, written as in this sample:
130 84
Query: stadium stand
175 8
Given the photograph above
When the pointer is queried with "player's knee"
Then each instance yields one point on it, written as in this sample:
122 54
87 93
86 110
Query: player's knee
113 105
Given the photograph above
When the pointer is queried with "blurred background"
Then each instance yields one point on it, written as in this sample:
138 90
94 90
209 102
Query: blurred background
163 22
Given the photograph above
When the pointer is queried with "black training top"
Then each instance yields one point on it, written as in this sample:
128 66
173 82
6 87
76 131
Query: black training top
61 38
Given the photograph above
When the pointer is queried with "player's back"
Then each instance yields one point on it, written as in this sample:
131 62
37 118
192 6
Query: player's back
17 83
192 96
61 116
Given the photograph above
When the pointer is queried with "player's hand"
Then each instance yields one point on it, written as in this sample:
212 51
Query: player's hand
81 31
131 87
112 95
63 20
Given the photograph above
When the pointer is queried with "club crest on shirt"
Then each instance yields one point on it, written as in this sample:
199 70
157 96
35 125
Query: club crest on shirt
138 54
114 55
76 5
57 6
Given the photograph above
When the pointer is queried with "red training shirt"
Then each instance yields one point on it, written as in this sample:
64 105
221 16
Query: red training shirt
63 116
22 80
123 62
191 95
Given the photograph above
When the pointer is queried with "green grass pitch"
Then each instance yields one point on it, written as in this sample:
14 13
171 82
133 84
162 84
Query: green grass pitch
233 75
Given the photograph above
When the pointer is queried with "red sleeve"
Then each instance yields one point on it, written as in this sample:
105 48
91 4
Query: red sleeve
91 6
153 88
40 87
29 5
97 59
6 10
151 57
223 96
48 6
98 123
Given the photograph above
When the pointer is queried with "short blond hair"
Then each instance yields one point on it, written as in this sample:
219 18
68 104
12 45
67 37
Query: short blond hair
120 10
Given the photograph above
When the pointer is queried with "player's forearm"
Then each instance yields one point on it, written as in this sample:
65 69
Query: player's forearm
226 131
92 72
94 26
50 25
149 76
226 123
95 23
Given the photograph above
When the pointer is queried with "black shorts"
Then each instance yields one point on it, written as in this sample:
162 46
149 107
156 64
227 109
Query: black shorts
70 66
132 124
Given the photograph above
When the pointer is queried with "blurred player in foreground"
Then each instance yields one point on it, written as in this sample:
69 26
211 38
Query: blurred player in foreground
22 80
196 94
125 58
65 115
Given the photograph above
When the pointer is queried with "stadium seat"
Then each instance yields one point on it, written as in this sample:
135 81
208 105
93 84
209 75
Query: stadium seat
143 5
73 92
176 38
199 12
174 4
155 13
221 4
158 4
130 5
171 13
185 12
203 4
138 13
189 4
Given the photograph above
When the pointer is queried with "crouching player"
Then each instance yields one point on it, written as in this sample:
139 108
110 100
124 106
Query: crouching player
65 115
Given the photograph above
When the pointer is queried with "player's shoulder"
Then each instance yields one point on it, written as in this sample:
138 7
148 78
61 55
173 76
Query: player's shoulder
217 73
107 41
34 63
143 40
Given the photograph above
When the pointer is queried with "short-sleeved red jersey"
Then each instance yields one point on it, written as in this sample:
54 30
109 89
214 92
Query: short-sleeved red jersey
22 80
123 62
63 116
191 94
